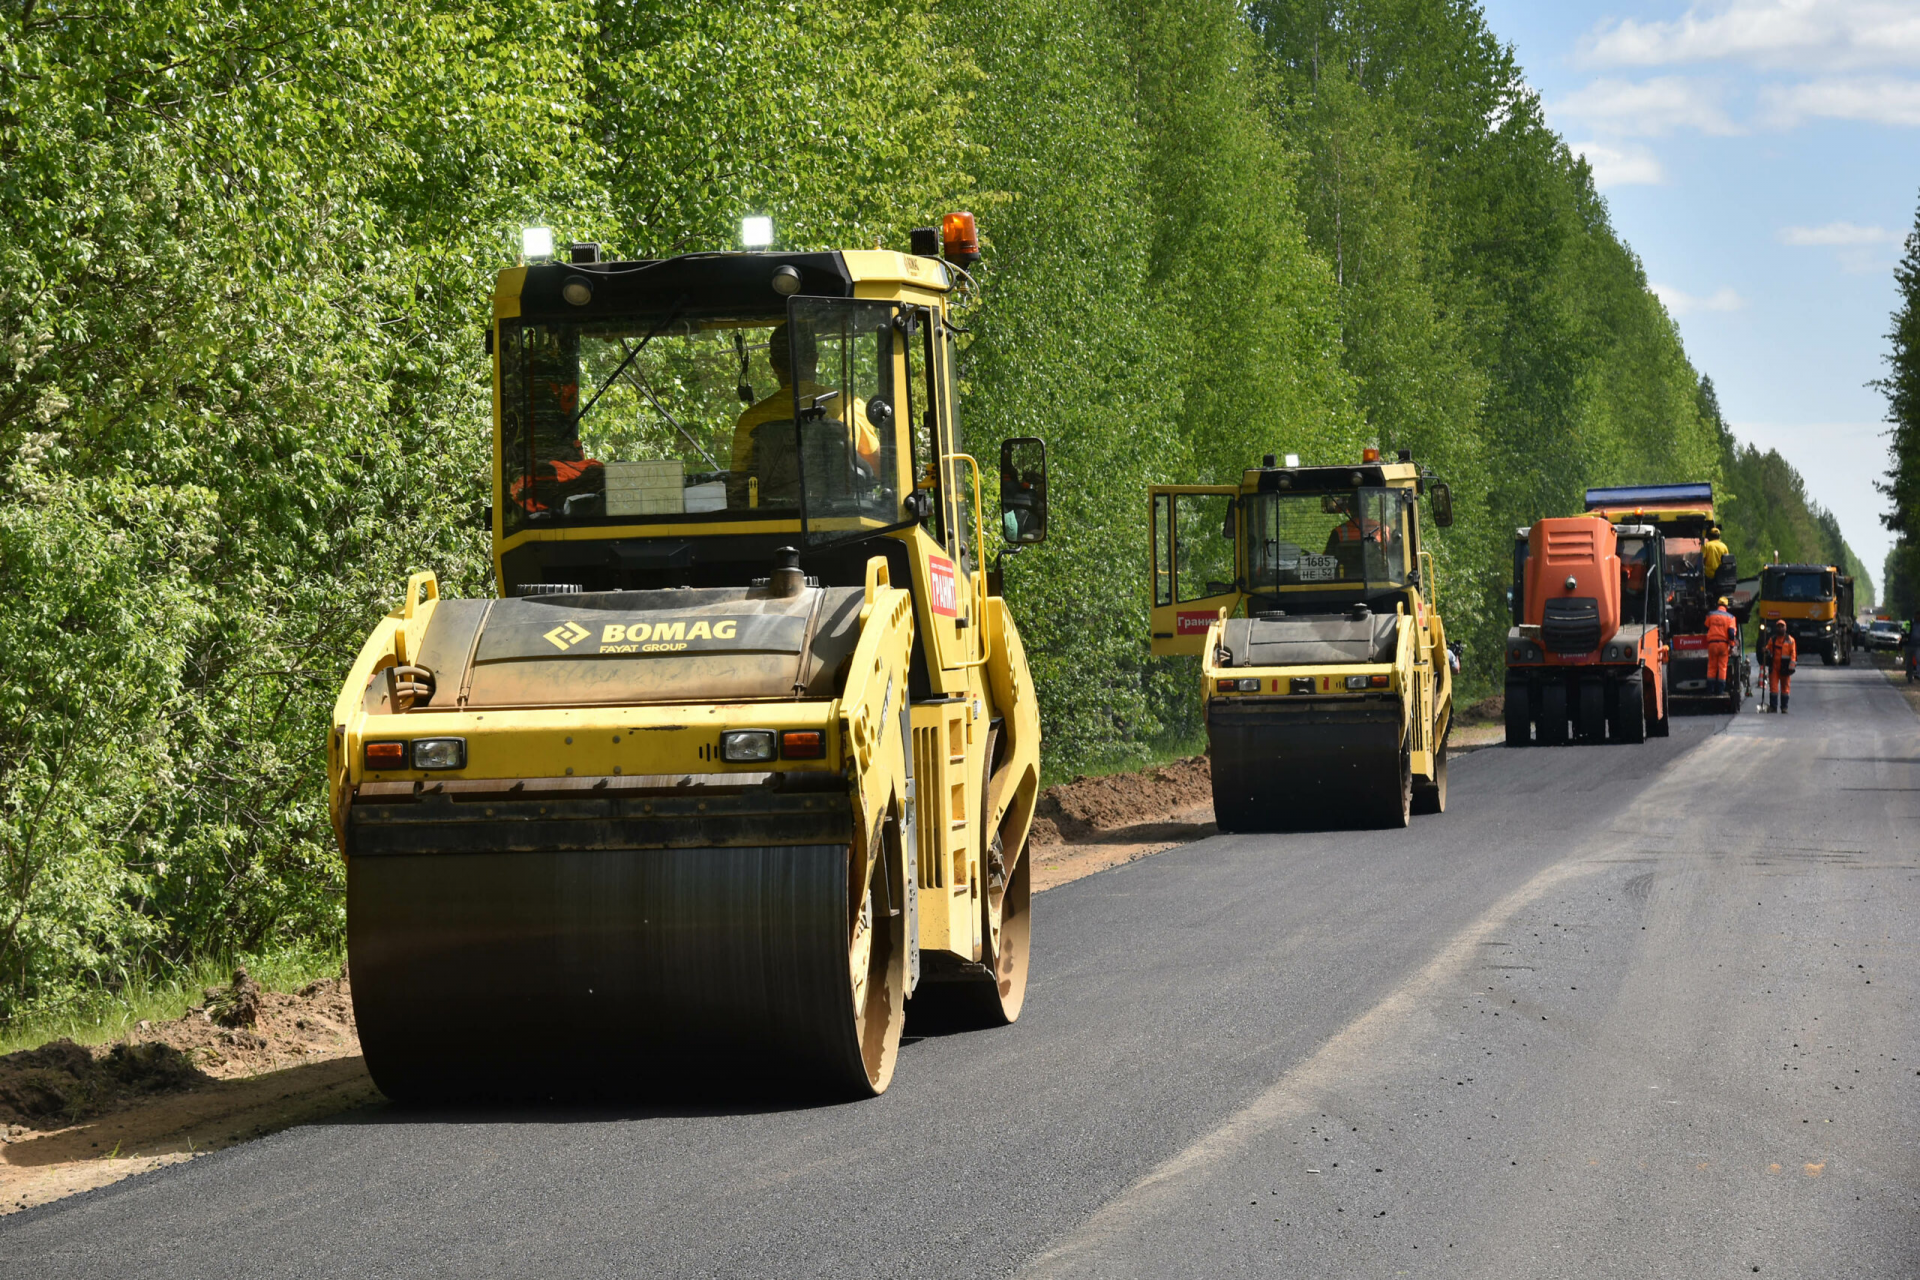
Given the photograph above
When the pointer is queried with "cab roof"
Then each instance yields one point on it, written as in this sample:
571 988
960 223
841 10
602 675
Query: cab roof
711 283
1322 479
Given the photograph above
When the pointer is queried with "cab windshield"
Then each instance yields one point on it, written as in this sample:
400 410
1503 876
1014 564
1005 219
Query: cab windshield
1302 542
1796 588
684 418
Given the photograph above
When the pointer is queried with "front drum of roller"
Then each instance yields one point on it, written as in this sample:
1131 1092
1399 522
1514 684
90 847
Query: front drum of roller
618 972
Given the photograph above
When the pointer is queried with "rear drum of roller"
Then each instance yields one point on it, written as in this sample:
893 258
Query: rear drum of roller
1279 769
539 974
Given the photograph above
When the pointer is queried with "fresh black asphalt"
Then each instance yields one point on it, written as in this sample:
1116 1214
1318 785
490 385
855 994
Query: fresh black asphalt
1622 1011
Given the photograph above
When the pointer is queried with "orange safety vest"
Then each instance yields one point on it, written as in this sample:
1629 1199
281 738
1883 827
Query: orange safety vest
1362 531
1720 628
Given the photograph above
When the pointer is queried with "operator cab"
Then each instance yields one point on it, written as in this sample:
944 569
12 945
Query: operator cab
1303 541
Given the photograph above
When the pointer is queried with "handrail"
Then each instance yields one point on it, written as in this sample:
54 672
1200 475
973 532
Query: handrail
977 581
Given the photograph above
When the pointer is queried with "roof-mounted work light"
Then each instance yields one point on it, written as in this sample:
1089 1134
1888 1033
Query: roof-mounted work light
756 232
536 242
960 239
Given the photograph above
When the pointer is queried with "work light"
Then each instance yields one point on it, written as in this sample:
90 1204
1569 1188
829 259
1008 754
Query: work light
536 242
756 232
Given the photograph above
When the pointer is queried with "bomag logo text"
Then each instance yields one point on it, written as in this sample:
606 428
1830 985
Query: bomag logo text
663 637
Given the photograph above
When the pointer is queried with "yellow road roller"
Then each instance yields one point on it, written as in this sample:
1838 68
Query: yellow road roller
1327 677
745 753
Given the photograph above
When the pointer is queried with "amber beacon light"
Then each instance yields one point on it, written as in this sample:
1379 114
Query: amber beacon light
960 239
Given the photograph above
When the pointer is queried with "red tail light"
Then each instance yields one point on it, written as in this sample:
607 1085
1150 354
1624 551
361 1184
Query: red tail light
803 744
386 755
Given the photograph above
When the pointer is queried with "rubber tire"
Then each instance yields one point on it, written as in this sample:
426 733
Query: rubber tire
981 1004
1590 716
1663 726
1630 711
1827 655
1552 728
1403 816
1431 797
1519 714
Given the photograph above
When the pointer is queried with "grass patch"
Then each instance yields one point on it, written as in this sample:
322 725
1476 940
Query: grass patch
102 1016
1133 758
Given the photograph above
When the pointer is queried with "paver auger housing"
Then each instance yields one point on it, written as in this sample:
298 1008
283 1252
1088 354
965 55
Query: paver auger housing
1328 703
746 752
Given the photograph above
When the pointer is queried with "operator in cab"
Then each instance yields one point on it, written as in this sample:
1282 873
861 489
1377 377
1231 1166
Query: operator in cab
1782 653
779 408
1721 631
1347 543
1712 552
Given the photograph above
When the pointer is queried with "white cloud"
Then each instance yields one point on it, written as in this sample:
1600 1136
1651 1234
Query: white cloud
1790 35
1686 304
1649 108
1614 167
1878 101
1838 234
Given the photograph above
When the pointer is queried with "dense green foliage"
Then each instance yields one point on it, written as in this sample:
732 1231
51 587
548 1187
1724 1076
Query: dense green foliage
247 253
1901 386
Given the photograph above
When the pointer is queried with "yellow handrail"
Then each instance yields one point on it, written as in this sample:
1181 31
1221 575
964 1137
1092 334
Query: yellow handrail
977 581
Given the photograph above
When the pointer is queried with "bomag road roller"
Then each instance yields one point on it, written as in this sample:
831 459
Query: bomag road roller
1816 603
1328 700
1682 514
745 753
1587 645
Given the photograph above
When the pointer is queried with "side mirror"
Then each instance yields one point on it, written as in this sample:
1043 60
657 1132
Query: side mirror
1442 498
1023 490
879 412
1226 526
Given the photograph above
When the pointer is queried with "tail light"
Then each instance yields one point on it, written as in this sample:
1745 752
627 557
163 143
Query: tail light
803 744
383 756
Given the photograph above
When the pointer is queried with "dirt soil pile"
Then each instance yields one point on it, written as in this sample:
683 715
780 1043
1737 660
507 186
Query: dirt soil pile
1103 809
239 1031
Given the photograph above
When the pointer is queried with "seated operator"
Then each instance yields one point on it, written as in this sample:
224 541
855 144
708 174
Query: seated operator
779 407
1347 543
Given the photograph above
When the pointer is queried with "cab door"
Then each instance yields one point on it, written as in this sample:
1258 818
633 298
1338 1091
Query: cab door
1194 561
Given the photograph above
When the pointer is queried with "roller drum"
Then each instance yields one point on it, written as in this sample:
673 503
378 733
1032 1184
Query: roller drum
540 973
1302 769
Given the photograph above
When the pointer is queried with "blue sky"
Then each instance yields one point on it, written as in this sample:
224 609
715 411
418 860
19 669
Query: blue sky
1763 159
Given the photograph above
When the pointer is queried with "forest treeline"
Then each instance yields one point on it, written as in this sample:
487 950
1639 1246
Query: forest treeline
246 251
1901 387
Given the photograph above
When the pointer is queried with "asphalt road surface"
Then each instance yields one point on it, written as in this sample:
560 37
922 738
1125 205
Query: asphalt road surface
1621 1012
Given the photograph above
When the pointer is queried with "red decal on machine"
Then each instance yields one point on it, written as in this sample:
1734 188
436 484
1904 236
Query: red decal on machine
1192 623
940 584
1689 642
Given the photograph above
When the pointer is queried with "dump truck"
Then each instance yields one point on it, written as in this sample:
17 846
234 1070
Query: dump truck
743 756
1587 647
1327 679
1682 514
1816 603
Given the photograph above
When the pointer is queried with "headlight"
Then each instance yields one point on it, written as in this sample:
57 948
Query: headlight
746 746
1356 682
439 753
1250 684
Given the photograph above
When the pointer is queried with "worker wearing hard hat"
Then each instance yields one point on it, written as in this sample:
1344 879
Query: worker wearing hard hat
1712 552
1721 631
1783 653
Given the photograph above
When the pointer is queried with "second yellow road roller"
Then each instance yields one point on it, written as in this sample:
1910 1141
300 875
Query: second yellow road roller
1329 698
744 754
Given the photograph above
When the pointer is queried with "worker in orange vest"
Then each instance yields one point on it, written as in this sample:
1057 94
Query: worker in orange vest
1721 630
1784 651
